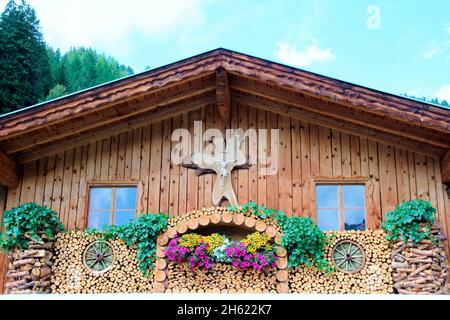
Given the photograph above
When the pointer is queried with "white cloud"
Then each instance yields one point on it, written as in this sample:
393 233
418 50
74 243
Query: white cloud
313 53
433 50
430 53
108 24
420 92
443 93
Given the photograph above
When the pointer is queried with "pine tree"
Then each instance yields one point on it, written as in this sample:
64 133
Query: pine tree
24 64
85 68
57 91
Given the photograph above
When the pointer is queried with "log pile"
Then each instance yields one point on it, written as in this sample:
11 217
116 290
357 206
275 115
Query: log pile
222 278
374 277
421 268
29 270
70 275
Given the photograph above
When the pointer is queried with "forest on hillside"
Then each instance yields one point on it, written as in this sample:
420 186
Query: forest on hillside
436 101
33 72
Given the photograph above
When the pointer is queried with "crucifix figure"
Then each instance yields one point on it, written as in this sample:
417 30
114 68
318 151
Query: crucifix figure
221 163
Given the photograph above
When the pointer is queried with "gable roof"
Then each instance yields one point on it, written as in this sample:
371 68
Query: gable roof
191 83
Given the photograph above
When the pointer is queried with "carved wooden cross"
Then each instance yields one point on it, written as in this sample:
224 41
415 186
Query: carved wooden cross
221 163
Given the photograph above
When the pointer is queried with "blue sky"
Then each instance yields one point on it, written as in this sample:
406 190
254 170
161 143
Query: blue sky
400 46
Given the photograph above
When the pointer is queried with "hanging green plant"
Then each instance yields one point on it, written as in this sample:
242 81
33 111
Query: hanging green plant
411 220
305 243
26 222
141 233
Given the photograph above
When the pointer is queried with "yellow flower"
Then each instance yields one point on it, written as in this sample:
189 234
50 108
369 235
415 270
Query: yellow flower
190 240
256 241
213 241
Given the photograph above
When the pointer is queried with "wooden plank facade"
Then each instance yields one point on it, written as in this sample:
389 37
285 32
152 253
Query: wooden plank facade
307 154
329 131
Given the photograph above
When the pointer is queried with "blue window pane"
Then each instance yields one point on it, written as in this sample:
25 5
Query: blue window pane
354 196
354 219
123 217
98 219
100 199
126 198
327 196
328 220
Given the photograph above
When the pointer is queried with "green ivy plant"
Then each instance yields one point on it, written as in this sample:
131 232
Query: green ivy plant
26 222
141 233
260 211
304 241
411 220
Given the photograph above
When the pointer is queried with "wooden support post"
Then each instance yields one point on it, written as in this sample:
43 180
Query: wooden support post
223 95
3 267
445 168
9 171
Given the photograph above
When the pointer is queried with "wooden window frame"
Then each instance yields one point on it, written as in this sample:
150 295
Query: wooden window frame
112 184
340 182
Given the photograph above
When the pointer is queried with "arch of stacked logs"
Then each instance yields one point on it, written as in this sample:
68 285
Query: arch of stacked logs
219 216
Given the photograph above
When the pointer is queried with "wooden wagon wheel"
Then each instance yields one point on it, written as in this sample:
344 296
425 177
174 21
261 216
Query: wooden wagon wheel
99 256
348 256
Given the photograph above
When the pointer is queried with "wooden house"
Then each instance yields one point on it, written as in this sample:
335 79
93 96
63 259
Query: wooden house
346 154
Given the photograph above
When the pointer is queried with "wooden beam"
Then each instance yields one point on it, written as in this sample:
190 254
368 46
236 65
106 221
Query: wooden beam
113 129
9 171
344 126
445 168
342 112
223 95
84 124
372 101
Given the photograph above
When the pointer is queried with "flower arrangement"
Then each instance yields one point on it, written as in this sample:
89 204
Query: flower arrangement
253 252
176 252
241 258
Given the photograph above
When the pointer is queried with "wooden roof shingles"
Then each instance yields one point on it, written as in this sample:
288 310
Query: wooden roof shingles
210 78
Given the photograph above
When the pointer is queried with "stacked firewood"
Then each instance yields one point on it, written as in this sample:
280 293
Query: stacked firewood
70 274
221 278
421 268
29 270
374 277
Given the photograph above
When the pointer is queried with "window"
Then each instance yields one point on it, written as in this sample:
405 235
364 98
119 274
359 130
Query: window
111 206
341 207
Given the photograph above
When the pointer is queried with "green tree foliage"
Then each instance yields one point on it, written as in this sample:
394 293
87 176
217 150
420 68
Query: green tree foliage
58 72
33 72
436 101
57 91
82 68
24 63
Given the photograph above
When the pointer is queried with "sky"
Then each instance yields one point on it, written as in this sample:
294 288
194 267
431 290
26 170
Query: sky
400 46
